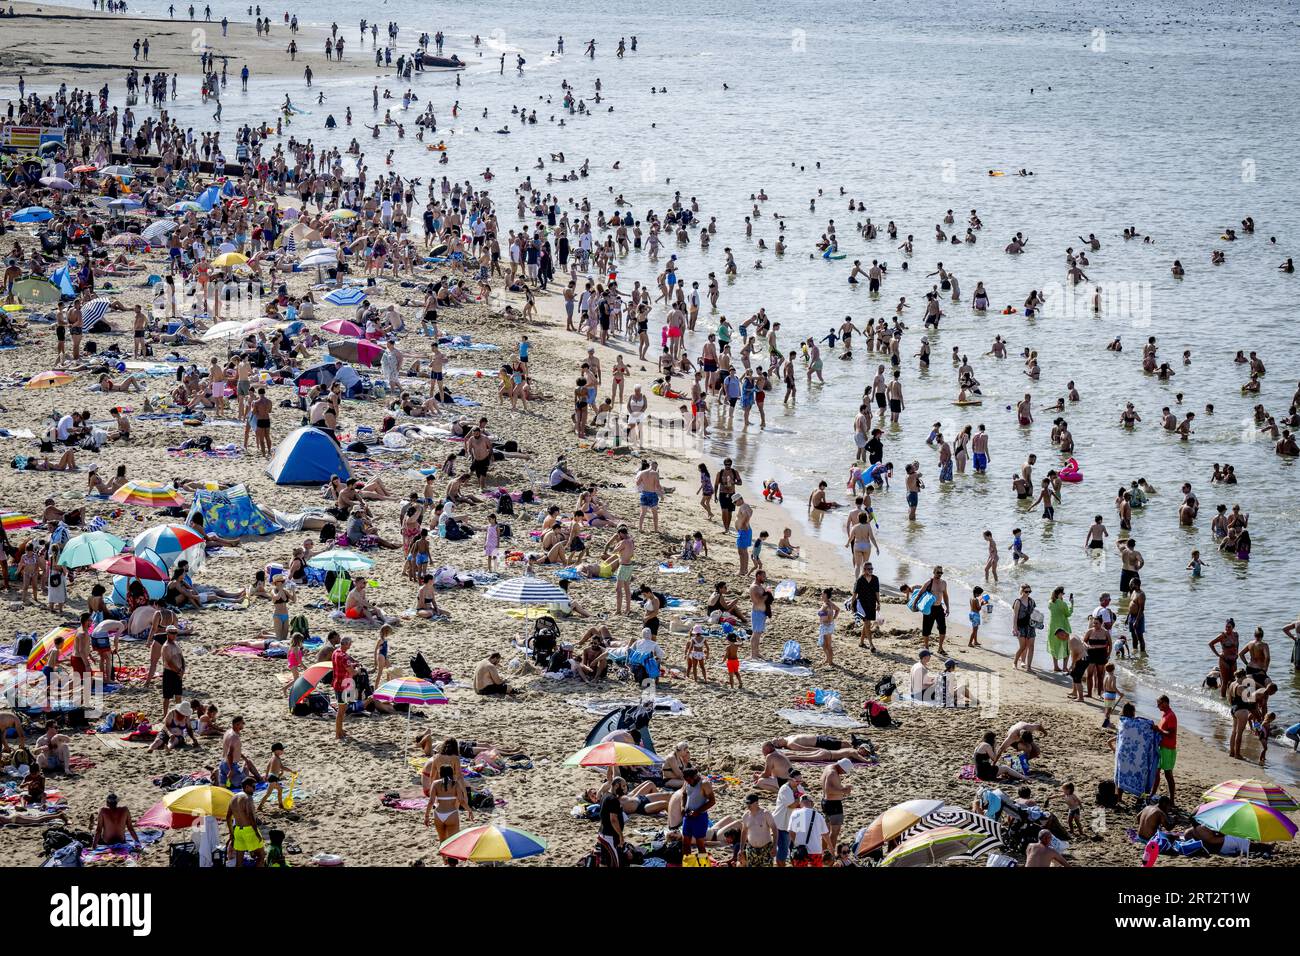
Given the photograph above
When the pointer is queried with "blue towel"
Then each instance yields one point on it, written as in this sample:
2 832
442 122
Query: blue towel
1137 756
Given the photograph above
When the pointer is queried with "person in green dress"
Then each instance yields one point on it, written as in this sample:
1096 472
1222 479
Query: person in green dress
1059 611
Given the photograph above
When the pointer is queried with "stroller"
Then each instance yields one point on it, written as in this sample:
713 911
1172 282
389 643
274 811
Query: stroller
544 641
1018 831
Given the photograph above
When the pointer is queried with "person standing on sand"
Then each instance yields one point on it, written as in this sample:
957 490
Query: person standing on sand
727 480
262 422
650 490
760 599
866 603
622 546
936 619
342 665
1167 726
744 533
860 541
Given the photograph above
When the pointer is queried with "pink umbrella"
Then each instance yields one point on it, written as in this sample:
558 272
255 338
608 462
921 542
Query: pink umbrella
343 327
162 818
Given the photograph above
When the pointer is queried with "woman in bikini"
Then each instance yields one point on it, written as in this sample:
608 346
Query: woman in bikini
447 798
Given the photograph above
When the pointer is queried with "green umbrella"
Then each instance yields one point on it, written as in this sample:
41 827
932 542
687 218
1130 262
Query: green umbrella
86 549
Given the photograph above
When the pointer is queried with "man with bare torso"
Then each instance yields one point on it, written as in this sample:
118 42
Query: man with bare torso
241 821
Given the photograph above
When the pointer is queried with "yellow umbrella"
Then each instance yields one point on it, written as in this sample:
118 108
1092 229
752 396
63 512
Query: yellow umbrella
204 800
228 259
934 846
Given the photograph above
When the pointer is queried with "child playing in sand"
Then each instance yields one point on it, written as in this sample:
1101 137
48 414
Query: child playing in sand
974 615
1073 806
732 657
785 548
275 772
758 550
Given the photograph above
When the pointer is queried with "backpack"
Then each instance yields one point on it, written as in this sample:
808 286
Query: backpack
505 505
57 837
420 667
885 687
878 714
298 625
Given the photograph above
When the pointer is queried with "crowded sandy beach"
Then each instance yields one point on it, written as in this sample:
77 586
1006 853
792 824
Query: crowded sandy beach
363 509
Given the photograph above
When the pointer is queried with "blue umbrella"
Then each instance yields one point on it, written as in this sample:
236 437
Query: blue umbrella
33 214
351 295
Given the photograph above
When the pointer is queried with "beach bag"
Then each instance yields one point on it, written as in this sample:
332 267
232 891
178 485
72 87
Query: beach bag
1107 794
69 855
922 599
791 652
298 625
420 667
885 687
878 714
505 505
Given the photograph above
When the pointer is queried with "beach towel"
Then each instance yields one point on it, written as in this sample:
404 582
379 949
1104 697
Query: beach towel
1137 756
600 706
769 667
817 718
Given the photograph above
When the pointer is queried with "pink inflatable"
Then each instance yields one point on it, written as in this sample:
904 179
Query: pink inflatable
1070 472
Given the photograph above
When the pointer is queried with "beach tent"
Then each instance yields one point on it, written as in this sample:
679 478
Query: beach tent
635 719
36 291
232 513
322 375
307 456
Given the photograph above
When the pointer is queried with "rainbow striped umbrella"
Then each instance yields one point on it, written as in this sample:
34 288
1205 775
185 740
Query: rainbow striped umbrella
934 846
410 690
57 644
613 754
1240 818
13 521
148 494
1252 791
48 380
492 844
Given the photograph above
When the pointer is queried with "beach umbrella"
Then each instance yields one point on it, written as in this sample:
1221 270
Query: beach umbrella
56 182
13 521
410 690
350 295
356 352
167 540
224 330
126 239
256 325
131 566
228 259
895 821
526 590
307 681
36 291
148 494
343 327
1241 818
92 312
126 203
159 230
202 800
1252 791
89 548
160 817
291 213
613 754
326 255
120 171
51 648
492 844
343 214
155 587
933 846
33 214
48 380
341 560
186 205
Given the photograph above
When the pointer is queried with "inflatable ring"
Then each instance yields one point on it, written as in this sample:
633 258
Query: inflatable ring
1070 472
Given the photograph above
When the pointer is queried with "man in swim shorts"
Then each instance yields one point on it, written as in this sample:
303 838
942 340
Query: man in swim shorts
758 599
241 820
